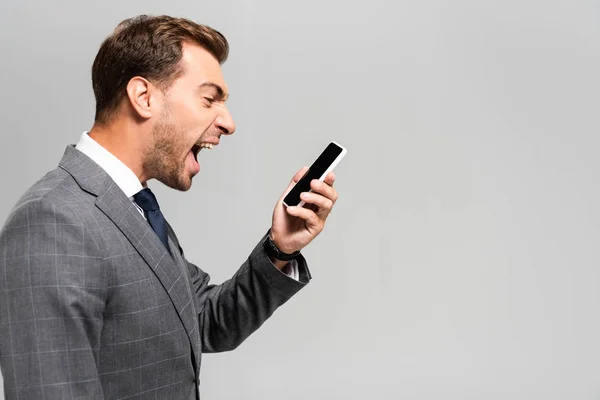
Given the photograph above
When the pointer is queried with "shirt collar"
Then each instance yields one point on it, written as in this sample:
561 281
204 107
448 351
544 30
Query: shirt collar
123 176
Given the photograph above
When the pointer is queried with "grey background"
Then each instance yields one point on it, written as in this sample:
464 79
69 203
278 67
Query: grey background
461 260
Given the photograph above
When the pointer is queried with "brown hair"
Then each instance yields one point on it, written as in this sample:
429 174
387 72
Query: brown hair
147 46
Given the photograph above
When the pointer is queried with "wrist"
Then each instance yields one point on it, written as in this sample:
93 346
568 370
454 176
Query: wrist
277 253
281 248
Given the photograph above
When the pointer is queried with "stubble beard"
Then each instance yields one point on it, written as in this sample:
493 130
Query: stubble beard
163 161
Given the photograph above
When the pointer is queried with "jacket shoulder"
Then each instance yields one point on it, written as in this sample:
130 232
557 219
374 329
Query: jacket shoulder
53 198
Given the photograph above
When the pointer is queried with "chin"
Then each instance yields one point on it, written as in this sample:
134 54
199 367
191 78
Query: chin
186 184
183 184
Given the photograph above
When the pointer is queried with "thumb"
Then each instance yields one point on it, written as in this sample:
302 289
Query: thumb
299 175
295 180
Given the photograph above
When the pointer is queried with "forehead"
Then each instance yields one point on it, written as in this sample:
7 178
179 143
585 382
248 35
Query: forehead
200 66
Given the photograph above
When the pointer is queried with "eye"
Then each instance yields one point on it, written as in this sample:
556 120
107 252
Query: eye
210 100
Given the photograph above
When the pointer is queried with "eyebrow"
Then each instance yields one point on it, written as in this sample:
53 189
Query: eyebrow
220 92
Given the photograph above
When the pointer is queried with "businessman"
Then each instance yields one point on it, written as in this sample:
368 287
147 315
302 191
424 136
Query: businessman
97 297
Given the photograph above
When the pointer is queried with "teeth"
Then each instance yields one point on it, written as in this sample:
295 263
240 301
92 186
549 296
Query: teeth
206 145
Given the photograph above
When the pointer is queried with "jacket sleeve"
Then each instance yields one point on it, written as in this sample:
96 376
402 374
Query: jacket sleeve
52 295
231 311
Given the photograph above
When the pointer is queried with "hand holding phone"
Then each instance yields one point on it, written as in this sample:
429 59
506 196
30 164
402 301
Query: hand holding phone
323 165
293 226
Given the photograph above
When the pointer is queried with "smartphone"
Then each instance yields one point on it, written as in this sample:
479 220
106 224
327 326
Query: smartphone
323 165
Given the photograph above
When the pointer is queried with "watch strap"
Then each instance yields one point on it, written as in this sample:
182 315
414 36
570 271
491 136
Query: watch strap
272 250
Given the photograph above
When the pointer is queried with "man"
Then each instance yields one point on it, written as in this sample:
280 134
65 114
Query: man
97 298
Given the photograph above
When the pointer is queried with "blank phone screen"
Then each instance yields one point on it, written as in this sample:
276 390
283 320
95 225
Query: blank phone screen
315 171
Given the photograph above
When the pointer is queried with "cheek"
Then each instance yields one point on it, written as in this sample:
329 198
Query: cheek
192 118
197 116
197 122
182 110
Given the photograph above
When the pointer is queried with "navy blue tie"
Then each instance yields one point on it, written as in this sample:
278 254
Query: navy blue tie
147 201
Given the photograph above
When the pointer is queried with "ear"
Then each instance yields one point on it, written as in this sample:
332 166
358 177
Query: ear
142 96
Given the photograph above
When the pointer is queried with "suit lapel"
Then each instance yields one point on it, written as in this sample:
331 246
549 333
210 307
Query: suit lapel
112 201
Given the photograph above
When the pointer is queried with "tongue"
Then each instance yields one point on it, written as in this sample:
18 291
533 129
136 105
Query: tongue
194 165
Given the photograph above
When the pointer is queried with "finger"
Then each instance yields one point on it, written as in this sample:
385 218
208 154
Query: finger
312 220
330 178
299 174
324 189
311 207
323 203
294 180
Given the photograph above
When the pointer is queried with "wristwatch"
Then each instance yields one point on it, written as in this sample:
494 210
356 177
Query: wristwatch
274 252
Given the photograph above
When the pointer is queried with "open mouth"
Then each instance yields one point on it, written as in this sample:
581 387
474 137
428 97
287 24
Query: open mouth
192 158
201 146
195 150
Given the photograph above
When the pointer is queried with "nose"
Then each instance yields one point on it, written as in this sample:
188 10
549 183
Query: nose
224 122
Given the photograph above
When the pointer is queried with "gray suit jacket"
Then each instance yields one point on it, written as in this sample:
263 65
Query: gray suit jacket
92 305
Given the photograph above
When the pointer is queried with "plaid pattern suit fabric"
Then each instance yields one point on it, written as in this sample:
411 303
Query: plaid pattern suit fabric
92 305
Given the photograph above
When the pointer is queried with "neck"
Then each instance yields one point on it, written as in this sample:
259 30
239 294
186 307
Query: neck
125 142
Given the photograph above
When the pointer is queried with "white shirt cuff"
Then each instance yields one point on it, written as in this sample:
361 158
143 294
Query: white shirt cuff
291 270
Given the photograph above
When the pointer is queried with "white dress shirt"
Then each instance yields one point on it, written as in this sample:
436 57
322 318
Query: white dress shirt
129 183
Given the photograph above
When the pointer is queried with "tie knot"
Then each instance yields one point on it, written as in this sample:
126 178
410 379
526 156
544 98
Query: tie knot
146 200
